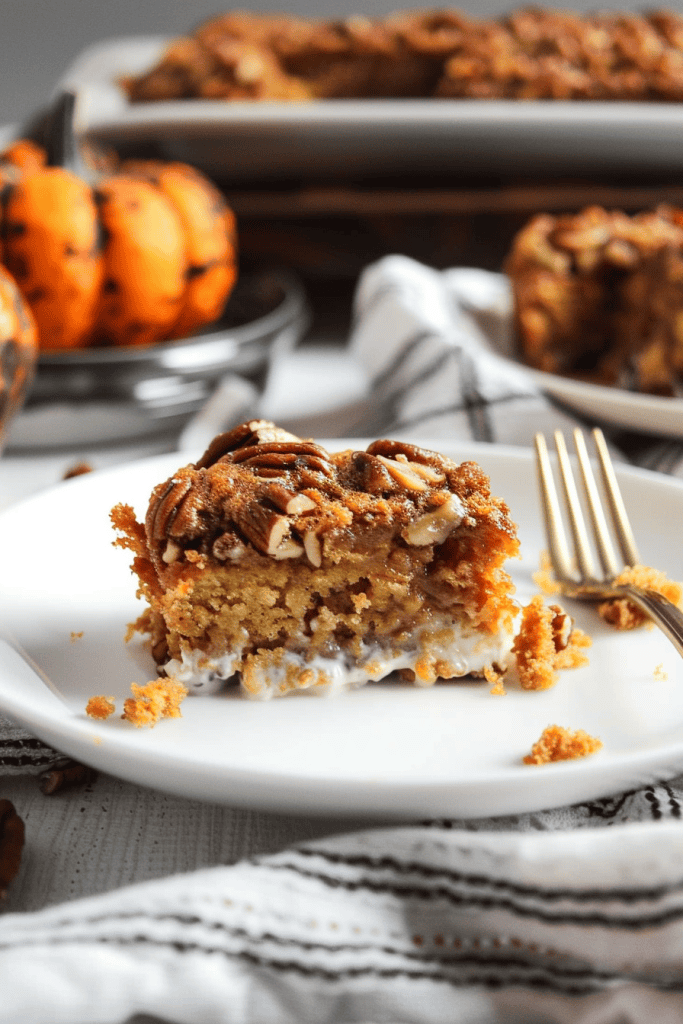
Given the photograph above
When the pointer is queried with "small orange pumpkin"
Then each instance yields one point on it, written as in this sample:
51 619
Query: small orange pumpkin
148 253
18 349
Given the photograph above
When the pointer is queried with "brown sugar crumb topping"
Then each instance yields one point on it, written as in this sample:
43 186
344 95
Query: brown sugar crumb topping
100 707
546 642
258 487
559 744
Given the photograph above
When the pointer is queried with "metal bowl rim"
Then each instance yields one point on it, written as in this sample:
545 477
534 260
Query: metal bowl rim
292 306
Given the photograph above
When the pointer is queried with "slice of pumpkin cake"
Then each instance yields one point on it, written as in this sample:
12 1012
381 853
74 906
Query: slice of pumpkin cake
288 567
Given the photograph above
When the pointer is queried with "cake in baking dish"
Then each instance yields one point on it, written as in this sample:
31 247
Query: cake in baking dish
287 567
598 295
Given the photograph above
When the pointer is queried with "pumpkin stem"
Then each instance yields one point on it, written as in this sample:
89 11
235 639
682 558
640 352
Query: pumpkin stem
61 143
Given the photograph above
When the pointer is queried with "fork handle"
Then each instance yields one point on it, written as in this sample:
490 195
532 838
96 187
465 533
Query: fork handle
660 610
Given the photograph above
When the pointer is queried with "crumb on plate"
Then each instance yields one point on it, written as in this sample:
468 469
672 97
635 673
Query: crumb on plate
546 642
100 707
559 744
160 698
622 613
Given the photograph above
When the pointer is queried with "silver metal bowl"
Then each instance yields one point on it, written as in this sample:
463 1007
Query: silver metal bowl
107 394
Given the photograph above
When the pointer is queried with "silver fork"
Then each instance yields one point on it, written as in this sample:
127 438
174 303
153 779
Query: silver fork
578 577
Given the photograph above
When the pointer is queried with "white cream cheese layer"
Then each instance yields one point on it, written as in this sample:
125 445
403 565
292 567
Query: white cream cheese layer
465 650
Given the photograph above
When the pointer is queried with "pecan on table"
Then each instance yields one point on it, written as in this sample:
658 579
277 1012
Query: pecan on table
11 844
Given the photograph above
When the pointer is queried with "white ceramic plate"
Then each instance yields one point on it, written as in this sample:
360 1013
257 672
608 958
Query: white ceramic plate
239 141
648 414
385 749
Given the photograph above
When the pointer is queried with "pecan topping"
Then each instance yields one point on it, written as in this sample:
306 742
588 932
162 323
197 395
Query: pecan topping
285 456
247 435
292 502
267 530
404 474
373 476
313 548
11 844
433 527
258 487
164 509
561 626
228 547
66 775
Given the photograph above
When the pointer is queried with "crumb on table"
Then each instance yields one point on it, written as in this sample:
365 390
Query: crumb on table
559 744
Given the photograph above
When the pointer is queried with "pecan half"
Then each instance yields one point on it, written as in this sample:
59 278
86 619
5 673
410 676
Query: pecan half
433 527
374 478
292 502
246 435
404 474
66 775
267 530
11 844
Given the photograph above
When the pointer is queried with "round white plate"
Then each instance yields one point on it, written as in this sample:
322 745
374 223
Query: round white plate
647 414
386 749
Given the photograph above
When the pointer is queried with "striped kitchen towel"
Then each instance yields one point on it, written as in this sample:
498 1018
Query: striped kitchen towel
420 925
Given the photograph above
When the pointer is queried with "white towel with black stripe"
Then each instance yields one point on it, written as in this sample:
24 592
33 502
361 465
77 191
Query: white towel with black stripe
422 925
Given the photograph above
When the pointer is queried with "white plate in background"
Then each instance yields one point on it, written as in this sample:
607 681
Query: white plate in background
243 141
386 749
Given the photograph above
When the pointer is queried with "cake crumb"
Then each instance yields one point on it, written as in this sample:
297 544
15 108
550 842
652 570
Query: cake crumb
557 743
100 707
160 698
545 643
622 613
544 578
660 673
74 636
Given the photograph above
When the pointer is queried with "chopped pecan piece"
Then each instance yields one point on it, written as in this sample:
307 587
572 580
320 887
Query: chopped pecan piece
65 775
11 844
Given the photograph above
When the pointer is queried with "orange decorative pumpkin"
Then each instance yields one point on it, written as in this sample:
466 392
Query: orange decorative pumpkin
18 349
147 253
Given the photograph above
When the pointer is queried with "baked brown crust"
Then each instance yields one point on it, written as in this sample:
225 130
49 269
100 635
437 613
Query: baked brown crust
530 53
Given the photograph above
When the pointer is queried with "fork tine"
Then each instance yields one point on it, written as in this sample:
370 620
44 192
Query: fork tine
577 523
552 516
620 520
601 535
